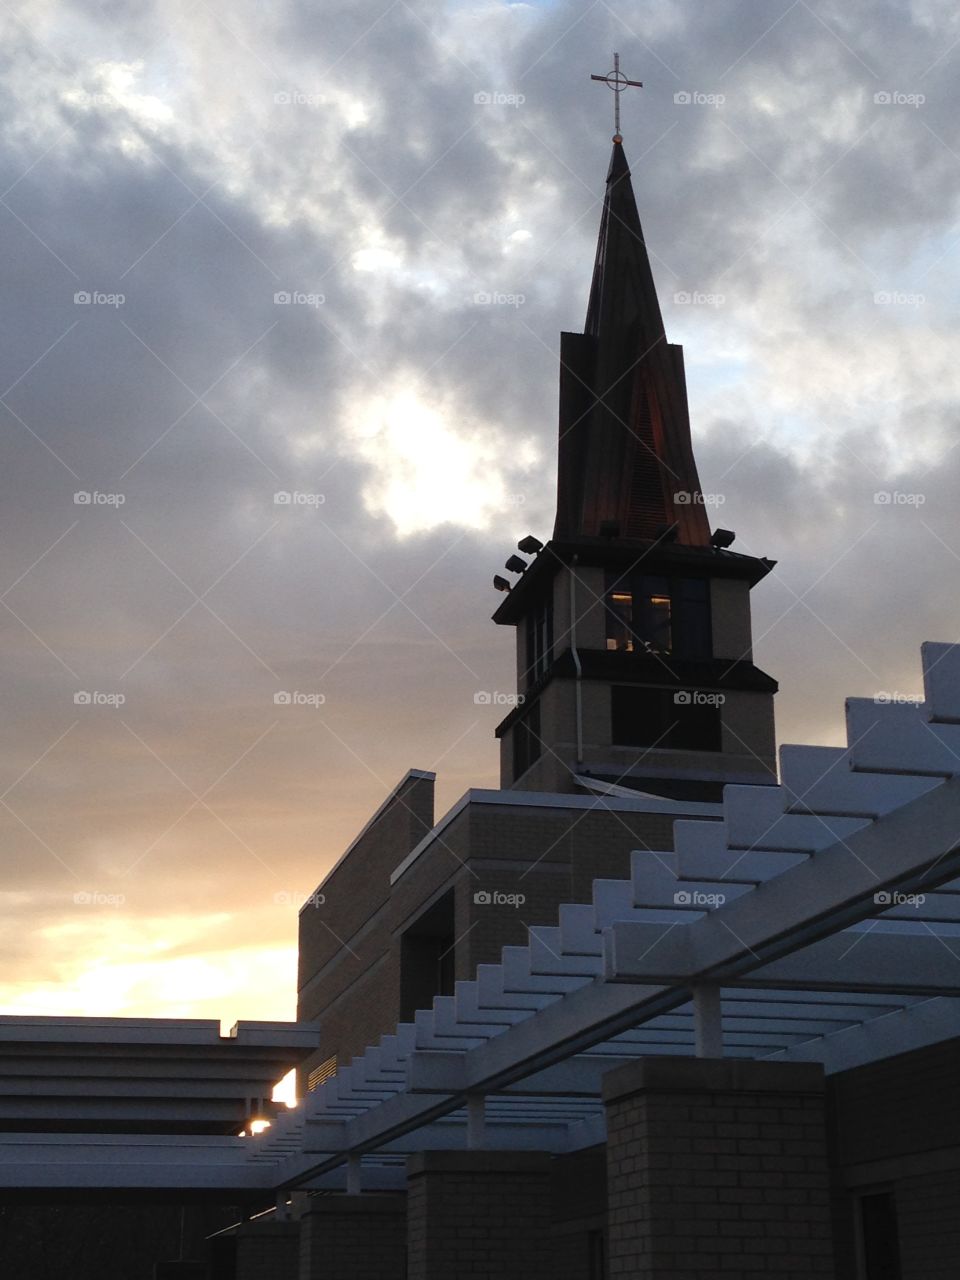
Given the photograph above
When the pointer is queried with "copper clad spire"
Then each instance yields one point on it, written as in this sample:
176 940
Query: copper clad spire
626 465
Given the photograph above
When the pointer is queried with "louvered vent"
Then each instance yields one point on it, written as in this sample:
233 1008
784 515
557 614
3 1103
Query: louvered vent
321 1073
646 506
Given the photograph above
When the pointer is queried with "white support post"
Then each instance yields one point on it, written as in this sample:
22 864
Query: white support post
708 1021
476 1121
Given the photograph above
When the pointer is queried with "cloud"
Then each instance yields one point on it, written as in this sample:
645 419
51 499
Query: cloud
405 175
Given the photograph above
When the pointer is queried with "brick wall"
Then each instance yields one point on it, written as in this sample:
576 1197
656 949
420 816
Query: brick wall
360 1237
896 1126
929 1225
901 1105
579 1213
479 1214
350 944
268 1250
717 1168
346 941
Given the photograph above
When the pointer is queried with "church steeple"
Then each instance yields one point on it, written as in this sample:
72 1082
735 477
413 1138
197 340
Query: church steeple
634 662
626 465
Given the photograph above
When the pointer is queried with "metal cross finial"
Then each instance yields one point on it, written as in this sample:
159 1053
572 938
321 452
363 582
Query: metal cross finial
617 82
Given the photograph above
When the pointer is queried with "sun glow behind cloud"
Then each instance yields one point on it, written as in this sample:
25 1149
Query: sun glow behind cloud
430 466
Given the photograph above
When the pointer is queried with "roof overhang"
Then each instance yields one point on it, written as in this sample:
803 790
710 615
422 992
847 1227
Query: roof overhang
656 557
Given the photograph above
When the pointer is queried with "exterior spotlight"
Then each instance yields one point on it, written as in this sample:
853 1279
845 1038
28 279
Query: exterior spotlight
721 538
529 545
501 583
515 564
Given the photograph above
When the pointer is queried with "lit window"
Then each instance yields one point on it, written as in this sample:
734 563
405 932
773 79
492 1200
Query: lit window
620 621
539 642
657 622
650 614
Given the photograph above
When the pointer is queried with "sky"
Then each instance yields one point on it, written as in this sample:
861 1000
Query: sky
325 251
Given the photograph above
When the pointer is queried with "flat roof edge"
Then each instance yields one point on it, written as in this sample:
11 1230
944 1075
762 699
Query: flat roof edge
555 800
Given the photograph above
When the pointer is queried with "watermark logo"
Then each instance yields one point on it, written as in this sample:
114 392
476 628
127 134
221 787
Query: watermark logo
93 898
94 498
694 98
686 498
698 698
87 298
484 299
291 898
895 498
695 898
696 298
82 98
893 698
893 898
295 698
494 98
297 298
484 698
295 98
895 298
286 498
84 698
896 98
496 898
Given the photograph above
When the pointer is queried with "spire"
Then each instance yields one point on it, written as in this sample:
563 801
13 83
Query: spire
622 292
626 465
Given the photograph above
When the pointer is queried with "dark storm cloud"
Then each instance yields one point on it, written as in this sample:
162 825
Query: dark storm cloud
201 162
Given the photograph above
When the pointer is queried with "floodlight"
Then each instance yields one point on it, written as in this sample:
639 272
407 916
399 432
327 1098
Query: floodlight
722 538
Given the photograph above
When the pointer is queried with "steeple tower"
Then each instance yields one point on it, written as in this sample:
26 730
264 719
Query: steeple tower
634 653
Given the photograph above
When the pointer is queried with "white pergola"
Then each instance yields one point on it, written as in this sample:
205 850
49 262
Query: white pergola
818 920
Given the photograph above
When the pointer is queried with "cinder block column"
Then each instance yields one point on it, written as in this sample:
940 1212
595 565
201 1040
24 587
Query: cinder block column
362 1237
268 1250
717 1168
478 1214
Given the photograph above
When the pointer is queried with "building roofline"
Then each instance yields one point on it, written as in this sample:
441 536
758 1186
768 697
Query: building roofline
375 817
556 800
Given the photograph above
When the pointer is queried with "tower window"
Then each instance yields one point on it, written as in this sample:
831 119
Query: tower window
526 741
663 718
539 641
652 614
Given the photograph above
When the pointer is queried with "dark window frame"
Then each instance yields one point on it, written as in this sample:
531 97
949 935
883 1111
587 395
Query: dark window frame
878 1254
657 613
539 641
428 956
526 741
649 717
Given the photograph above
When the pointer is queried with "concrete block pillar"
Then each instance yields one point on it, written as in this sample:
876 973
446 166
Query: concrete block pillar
354 1237
478 1214
268 1250
717 1168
